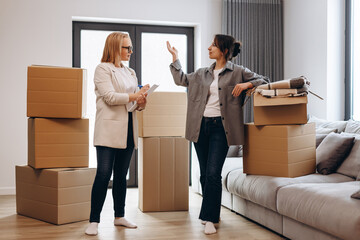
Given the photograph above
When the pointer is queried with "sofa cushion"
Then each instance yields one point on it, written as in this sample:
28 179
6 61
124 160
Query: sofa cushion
325 206
319 138
332 151
356 195
234 151
353 127
339 125
263 189
351 165
323 130
230 164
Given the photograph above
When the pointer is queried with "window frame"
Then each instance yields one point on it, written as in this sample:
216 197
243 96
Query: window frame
348 60
135 31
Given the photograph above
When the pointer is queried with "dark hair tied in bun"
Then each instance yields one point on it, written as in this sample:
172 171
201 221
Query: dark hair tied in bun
237 49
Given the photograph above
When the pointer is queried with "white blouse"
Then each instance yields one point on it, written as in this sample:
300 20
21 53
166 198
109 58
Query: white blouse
212 108
125 76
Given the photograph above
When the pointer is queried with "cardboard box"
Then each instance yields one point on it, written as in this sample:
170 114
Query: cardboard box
56 92
280 150
56 143
282 110
164 115
58 196
163 174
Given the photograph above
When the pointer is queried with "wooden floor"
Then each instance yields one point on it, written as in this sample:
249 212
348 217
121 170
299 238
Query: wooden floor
166 225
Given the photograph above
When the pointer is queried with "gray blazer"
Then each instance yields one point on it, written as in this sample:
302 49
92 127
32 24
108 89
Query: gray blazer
198 84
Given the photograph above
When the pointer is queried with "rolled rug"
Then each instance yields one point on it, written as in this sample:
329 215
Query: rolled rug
290 92
298 82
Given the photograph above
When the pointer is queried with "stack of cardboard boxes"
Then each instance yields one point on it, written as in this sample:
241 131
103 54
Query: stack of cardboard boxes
280 142
163 154
56 184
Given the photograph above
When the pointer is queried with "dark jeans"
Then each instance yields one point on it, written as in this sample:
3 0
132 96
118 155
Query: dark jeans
211 150
109 159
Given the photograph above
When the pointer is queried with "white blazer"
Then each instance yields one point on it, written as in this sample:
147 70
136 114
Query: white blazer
111 123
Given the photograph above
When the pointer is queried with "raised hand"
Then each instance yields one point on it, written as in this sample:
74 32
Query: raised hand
173 51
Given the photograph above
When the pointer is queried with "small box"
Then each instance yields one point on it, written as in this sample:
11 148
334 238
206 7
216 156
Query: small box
163 174
164 115
279 110
280 150
57 196
54 143
56 92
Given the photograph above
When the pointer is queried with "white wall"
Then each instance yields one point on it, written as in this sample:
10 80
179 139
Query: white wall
314 47
40 32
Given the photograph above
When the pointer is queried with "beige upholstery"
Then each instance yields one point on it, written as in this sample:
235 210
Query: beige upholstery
299 231
321 205
260 214
226 199
230 164
263 189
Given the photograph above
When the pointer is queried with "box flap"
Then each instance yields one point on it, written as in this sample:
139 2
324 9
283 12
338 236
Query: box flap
264 101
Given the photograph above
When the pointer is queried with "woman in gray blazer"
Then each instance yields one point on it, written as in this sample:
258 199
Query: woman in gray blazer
116 133
214 115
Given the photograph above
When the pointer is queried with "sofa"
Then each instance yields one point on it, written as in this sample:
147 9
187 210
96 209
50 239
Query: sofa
315 206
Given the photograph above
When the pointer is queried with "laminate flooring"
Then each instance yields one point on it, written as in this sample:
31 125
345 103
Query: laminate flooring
183 225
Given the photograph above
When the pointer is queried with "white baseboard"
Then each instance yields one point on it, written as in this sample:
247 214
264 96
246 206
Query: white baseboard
7 191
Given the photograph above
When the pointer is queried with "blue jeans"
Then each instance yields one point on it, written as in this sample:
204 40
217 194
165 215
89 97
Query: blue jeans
109 159
211 150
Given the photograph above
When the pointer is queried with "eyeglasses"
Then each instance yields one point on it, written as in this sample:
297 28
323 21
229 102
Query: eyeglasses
129 48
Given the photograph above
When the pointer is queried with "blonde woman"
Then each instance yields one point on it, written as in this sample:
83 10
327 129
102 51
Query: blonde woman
115 135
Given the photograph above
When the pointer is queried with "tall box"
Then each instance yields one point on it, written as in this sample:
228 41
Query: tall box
57 196
56 143
163 174
56 92
280 150
164 115
279 110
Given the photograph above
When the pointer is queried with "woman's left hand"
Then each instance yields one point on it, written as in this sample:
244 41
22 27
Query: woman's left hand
241 87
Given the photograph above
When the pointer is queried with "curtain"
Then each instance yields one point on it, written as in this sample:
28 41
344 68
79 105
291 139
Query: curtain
258 25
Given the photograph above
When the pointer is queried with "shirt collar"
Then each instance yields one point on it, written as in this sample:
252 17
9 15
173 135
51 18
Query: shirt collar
229 65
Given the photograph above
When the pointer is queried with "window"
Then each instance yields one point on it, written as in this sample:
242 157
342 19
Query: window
352 80
150 61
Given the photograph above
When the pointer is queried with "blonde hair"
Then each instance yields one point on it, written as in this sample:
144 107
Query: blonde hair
113 46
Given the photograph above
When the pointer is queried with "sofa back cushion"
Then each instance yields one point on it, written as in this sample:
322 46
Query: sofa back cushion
353 127
234 151
323 130
329 125
319 138
332 151
351 165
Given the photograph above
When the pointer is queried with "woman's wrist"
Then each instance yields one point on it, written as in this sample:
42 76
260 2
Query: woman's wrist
133 96
250 85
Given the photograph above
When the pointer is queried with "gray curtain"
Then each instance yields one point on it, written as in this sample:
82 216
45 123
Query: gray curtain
258 25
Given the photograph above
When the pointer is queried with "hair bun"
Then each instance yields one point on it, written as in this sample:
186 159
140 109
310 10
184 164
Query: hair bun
237 49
